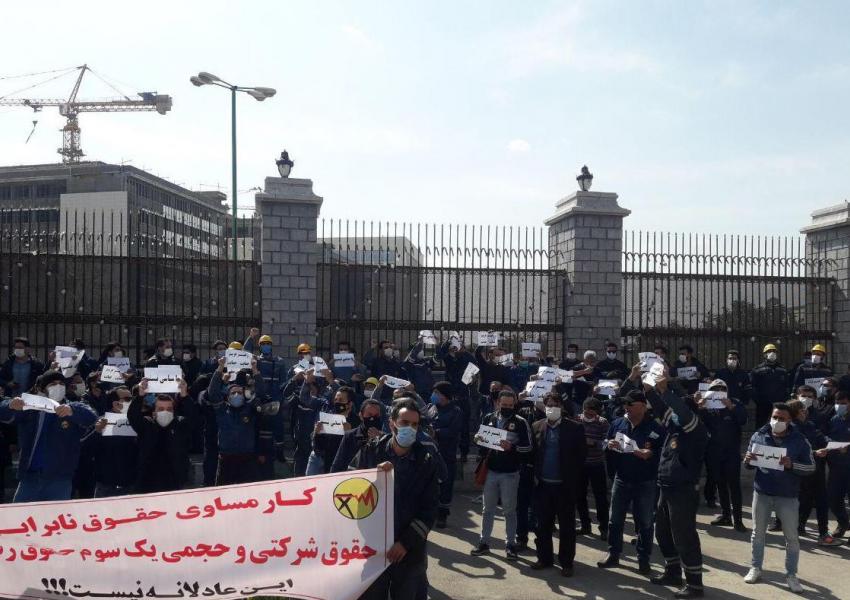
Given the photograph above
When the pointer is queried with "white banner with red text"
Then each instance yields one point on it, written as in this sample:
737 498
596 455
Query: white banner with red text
322 537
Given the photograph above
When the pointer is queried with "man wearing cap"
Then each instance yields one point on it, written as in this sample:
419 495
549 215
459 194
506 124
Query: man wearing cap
271 426
301 420
736 377
724 418
49 442
633 445
688 369
447 421
219 349
456 358
164 354
813 369
769 382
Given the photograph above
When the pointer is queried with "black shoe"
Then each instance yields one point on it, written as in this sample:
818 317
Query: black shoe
644 568
722 521
539 566
603 534
711 503
521 546
584 530
611 560
567 571
441 522
667 579
801 530
740 527
689 592
480 550
511 553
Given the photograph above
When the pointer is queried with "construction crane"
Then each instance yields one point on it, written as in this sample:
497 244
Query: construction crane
71 151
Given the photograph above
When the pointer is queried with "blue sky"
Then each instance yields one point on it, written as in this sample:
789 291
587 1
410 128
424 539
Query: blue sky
726 117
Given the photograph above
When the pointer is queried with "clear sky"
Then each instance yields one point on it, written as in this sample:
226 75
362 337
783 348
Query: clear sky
728 117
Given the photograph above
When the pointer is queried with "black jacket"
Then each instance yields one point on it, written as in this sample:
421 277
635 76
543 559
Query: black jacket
572 449
352 442
684 449
490 372
737 382
607 365
769 383
519 434
163 451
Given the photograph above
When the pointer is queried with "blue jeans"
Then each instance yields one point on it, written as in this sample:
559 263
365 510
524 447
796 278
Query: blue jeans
34 487
787 511
315 464
641 496
504 485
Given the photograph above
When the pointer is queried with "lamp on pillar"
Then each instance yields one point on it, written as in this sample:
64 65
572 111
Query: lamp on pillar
585 180
284 164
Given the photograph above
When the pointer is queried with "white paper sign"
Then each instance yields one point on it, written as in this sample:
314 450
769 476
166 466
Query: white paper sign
237 360
64 352
68 364
332 424
538 389
608 387
163 379
395 382
768 457
111 374
655 373
469 373
488 338
343 359
703 387
310 537
117 425
837 445
627 444
814 382
428 338
40 403
505 359
714 400
302 366
122 362
530 349
647 359
553 373
688 373
489 437
455 340
319 364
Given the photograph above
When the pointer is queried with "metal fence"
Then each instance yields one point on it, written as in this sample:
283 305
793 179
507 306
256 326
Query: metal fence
718 292
131 276
389 281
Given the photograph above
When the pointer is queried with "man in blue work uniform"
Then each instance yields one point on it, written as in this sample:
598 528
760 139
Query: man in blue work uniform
769 382
447 421
633 464
270 436
456 358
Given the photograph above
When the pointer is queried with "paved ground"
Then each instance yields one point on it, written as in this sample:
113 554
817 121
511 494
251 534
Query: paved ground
456 575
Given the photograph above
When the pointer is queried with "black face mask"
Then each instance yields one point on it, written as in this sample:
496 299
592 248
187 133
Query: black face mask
507 412
494 395
372 422
340 408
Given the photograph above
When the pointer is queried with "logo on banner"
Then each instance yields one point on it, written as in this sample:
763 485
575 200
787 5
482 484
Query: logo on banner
356 498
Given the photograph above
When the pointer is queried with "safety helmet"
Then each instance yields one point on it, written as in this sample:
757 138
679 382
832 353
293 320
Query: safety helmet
235 346
265 339
819 348
304 349
769 348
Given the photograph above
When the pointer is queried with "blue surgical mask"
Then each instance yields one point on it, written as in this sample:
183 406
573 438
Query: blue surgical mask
841 409
150 399
237 400
674 418
435 398
221 353
405 436
266 348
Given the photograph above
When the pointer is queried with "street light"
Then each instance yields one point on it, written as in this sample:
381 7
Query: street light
585 179
259 94
284 164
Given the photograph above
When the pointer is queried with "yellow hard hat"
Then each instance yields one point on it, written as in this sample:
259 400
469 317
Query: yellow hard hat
266 339
304 348
819 348
768 348
373 381
235 346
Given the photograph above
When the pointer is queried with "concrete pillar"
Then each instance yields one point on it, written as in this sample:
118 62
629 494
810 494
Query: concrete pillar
586 243
289 210
828 246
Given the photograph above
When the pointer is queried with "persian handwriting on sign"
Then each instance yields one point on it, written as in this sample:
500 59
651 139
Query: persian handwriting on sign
552 373
768 457
469 373
68 358
40 403
647 359
122 362
164 379
333 546
428 338
656 372
627 444
455 341
836 445
111 374
489 437
687 373
538 389
395 382
608 387
530 349
505 359
117 425
714 400
343 359
237 360
813 382
488 338
332 424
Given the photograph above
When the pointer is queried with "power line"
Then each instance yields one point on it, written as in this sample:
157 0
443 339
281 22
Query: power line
4 77
29 87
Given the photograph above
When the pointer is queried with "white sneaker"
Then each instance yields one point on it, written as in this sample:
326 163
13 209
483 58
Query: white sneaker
794 584
753 575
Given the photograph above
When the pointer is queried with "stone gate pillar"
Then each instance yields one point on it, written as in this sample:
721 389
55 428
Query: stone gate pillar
586 242
289 210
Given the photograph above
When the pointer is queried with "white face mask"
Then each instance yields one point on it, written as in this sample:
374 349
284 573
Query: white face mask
187 357
124 407
56 392
249 394
587 419
167 352
553 413
807 402
611 355
571 355
118 354
80 389
164 418
732 363
388 352
683 358
20 352
771 356
778 426
816 359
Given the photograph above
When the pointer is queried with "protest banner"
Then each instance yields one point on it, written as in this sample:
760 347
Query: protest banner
122 362
396 382
163 379
552 373
332 424
236 360
469 373
117 425
343 359
489 437
530 349
488 338
538 389
505 359
714 400
767 457
40 403
687 373
813 382
111 374
322 537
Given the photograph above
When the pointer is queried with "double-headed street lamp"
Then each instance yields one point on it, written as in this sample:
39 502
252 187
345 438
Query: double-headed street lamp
259 94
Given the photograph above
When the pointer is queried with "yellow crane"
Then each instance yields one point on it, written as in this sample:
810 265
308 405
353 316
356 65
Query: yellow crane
70 108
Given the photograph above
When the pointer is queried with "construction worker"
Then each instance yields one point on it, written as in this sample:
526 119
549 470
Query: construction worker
271 427
813 371
769 382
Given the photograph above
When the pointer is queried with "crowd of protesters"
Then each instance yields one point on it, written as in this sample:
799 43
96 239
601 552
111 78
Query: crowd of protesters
637 443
